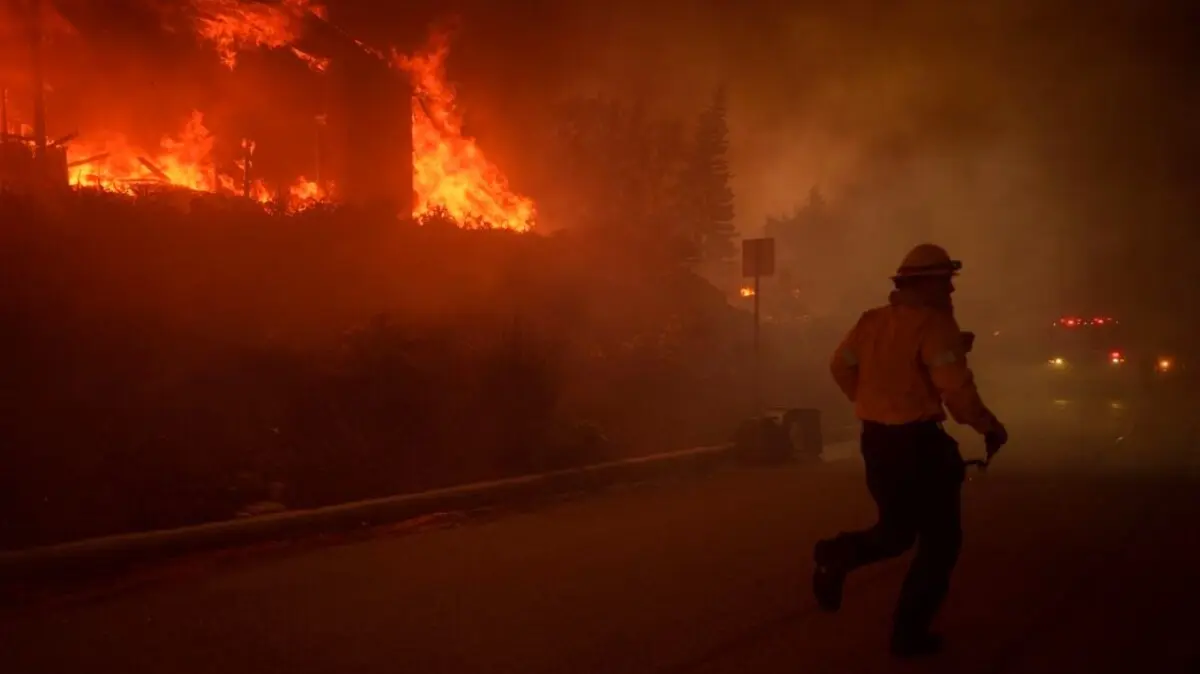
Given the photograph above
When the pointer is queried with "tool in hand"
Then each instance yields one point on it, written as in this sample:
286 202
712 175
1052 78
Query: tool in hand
982 464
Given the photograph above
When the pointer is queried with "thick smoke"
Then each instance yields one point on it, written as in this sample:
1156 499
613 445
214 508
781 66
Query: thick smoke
1046 145
1040 141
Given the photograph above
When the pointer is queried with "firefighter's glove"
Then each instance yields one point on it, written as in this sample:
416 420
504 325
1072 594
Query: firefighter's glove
995 439
968 341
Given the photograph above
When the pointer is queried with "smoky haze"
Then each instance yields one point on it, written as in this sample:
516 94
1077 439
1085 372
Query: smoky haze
1049 149
182 351
1047 144
1026 130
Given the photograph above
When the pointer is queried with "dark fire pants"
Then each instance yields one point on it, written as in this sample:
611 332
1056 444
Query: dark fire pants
915 474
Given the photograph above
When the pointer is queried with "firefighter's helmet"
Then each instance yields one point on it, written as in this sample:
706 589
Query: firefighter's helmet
928 259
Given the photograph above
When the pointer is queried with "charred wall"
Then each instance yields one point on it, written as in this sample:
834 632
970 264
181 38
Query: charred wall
367 144
369 132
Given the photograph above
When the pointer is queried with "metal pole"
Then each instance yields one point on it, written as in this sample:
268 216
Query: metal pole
757 353
3 136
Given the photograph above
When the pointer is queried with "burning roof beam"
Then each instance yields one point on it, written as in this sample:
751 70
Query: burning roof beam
154 169
65 139
88 160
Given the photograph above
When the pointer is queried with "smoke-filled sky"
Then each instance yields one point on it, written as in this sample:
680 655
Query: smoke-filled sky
1050 143
1042 136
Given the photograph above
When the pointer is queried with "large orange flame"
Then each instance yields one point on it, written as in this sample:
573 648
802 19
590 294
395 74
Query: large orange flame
110 162
450 170
234 26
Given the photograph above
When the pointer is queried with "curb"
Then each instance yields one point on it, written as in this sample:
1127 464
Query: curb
116 551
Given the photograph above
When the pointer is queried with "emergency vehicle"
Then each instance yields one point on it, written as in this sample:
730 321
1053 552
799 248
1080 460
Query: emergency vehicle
1079 355
1101 353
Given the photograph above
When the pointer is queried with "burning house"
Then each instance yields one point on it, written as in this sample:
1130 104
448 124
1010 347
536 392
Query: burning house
389 136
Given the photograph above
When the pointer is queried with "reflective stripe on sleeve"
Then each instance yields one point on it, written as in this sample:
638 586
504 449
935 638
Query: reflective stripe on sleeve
944 358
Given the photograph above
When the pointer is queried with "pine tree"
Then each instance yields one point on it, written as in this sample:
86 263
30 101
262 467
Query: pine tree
806 236
623 176
811 246
708 189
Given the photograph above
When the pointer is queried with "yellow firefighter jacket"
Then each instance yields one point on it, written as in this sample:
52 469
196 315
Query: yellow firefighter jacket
901 362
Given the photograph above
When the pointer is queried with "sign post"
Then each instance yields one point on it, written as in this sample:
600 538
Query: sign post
758 260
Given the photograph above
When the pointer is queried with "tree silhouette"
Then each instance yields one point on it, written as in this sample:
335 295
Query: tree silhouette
622 177
805 231
811 248
709 195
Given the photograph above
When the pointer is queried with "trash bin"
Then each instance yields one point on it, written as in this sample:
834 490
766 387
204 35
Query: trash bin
781 435
803 427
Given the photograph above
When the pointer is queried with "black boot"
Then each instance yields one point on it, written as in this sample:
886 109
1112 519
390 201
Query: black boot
828 578
915 644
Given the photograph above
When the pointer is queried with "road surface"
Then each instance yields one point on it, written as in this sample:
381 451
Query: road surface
1080 555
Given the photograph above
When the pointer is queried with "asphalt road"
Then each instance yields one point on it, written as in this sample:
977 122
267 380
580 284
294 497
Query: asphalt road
1081 555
